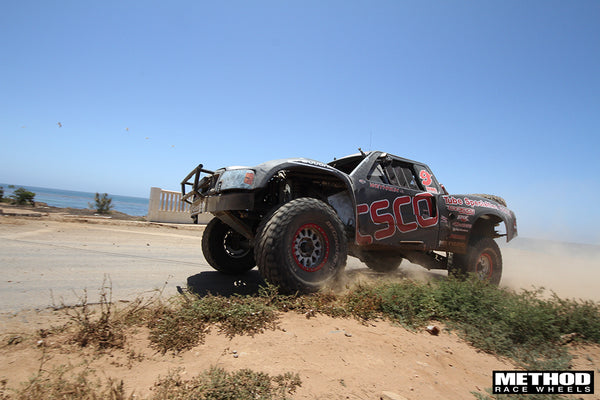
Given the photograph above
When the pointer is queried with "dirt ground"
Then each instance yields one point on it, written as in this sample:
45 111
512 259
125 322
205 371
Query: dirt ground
335 358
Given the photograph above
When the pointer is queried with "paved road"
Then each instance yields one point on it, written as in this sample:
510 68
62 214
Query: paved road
52 262
47 262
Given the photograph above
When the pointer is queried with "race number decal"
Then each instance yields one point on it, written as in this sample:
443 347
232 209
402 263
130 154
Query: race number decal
425 177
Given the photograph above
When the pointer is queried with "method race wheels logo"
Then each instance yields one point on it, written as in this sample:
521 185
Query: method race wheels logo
543 382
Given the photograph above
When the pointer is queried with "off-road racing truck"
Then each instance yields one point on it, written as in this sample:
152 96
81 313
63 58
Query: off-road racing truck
298 219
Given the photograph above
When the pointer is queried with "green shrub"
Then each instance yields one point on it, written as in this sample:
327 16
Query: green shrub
23 196
409 303
184 325
364 302
524 325
103 203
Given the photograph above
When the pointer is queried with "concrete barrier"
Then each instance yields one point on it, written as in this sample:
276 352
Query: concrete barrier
166 206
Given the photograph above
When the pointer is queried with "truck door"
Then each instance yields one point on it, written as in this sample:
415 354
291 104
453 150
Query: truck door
397 205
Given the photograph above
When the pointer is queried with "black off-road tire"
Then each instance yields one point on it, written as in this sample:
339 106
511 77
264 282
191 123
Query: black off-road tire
483 260
381 263
302 246
226 250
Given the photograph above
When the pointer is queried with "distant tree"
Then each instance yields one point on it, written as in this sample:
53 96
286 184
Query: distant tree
103 203
23 196
1 193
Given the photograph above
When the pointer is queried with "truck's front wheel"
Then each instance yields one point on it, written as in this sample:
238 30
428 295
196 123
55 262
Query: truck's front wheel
482 260
302 247
226 250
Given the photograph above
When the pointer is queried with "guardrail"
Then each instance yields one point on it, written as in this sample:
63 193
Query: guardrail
166 206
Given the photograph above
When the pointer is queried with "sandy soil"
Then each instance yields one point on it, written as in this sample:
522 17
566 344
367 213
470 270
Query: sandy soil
336 358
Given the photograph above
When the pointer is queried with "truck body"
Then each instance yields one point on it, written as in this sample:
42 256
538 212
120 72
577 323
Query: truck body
375 206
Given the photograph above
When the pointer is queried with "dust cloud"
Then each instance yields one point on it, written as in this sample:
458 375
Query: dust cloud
567 269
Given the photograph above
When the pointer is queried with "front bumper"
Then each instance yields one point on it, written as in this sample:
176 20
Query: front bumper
234 201
206 196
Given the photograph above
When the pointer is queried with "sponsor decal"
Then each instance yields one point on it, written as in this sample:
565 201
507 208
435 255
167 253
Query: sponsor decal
453 244
462 210
387 188
479 203
383 218
465 201
315 163
506 211
398 216
462 225
543 382
363 239
451 200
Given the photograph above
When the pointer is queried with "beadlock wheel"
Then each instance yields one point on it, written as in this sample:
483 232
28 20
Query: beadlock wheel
310 247
483 260
484 267
302 246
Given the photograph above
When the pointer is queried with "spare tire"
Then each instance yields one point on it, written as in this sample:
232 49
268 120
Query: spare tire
492 197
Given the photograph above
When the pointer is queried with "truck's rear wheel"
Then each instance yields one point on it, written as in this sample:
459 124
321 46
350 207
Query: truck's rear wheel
482 260
302 247
226 250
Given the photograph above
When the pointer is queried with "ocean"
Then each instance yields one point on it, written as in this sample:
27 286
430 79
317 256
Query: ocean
137 206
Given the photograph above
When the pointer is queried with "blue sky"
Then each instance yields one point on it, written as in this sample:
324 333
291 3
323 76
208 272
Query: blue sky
497 97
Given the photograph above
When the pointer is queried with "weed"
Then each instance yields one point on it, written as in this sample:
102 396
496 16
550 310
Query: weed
410 304
3 390
184 324
218 384
176 329
61 383
324 302
364 302
582 317
104 331
513 324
